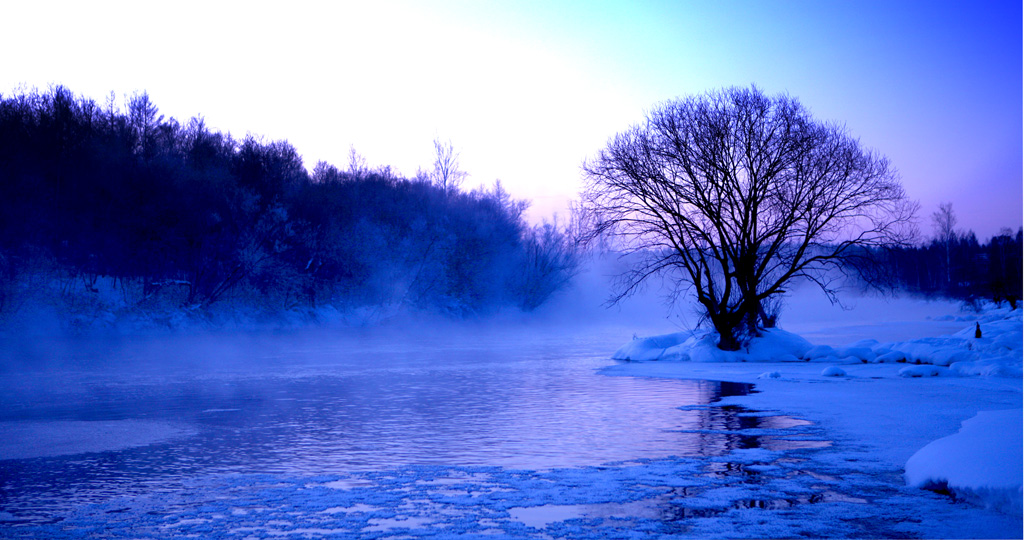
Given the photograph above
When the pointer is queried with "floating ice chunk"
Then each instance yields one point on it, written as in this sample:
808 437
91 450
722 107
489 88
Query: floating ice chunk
747 456
770 375
539 517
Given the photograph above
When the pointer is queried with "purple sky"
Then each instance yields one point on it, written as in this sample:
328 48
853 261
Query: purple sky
527 90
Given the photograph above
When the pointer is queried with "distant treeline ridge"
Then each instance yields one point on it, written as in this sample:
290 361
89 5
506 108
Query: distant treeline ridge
958 266
180 215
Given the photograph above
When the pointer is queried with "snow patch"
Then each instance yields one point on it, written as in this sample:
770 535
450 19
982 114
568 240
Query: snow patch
833 371
774 345
997 354
923 371
981 462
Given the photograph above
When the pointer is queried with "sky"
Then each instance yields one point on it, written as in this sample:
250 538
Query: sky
527 90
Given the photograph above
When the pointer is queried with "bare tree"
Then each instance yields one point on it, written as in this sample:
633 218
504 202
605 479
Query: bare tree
446 174
735 194
144 119
357 167
944 221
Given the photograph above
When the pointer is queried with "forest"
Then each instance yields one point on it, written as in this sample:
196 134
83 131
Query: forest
956 265
99 202
107 211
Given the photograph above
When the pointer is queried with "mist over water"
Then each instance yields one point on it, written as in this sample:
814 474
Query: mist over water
88 418
313 402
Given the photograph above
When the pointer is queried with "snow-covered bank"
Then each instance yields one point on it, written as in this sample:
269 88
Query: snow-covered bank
774 346
991 347
883 406
981 462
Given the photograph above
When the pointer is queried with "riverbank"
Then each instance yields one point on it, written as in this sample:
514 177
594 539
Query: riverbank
879 415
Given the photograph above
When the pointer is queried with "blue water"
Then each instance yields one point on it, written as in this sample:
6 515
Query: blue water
326 403
477 431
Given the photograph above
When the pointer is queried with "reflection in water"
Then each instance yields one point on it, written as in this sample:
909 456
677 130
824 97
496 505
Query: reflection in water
300 408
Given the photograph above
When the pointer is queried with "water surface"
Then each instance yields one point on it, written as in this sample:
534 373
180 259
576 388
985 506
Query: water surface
112 418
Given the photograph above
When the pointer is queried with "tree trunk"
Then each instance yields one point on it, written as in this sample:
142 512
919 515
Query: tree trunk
726 327
727 339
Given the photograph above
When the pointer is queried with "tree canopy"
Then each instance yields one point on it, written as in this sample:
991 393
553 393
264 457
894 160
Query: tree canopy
179 215
735 194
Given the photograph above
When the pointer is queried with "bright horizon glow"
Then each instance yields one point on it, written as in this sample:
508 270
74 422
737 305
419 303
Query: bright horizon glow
527 90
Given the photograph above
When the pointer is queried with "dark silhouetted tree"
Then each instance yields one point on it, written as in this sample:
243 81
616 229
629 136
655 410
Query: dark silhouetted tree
944 223
144 120
735 194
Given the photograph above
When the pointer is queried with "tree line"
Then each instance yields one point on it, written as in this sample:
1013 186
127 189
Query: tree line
178 214
954 264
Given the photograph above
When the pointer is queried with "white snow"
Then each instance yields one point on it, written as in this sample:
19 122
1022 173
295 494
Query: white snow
878 401
924 371
997 354
982 462
875 421
775 345
833 371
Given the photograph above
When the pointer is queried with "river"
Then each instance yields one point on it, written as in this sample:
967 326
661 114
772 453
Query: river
89 420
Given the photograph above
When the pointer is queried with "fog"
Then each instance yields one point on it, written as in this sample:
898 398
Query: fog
582 313
140 418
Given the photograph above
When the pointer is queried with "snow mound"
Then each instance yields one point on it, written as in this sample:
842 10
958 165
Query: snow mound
997 353
774 345
923 371
891 357
652 348
819 352
833 371
857 354
982 462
